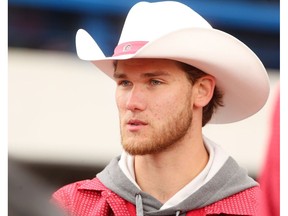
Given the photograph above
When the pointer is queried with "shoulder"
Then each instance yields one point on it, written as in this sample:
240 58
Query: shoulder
70 194
90 197
243 203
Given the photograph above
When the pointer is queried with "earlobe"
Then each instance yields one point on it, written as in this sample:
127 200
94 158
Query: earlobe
204 88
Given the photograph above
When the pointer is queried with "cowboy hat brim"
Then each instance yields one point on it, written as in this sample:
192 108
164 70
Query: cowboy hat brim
239 73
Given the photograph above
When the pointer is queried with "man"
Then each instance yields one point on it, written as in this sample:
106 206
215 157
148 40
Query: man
174 74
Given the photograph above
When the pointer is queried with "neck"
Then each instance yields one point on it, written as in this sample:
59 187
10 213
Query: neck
163 174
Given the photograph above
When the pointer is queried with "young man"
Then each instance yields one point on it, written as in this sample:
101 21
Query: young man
174 74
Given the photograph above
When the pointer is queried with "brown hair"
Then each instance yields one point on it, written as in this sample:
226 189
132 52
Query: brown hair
193 74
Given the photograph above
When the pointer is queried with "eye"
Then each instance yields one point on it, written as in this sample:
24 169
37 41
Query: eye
124 83
155 82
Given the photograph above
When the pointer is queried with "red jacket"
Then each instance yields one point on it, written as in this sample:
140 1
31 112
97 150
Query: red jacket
91 198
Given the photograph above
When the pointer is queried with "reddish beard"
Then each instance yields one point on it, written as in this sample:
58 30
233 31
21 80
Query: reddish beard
156 138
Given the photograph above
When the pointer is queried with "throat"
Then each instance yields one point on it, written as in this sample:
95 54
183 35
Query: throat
163 180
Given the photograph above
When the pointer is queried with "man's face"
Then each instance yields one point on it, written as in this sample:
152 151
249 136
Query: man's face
154 98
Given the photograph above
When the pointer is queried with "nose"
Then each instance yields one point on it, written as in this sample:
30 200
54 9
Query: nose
136 99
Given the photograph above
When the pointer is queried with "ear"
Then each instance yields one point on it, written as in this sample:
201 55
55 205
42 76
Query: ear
203 90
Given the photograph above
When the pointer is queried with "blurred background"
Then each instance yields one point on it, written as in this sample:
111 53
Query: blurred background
63 122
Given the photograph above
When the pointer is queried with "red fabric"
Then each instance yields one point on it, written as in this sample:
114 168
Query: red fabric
91 197
269 178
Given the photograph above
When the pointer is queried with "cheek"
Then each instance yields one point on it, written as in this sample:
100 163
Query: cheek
120 101
174 103
164 106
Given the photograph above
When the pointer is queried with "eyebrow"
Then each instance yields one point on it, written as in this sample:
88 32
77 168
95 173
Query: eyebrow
119 75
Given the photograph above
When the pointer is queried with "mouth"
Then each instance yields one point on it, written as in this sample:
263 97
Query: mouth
135 125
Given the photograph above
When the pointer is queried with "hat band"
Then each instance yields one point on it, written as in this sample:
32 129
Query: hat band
128 47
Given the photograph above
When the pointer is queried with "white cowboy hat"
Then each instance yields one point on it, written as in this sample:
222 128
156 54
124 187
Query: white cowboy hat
172 30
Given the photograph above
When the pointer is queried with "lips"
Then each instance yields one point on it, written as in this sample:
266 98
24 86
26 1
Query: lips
135 124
